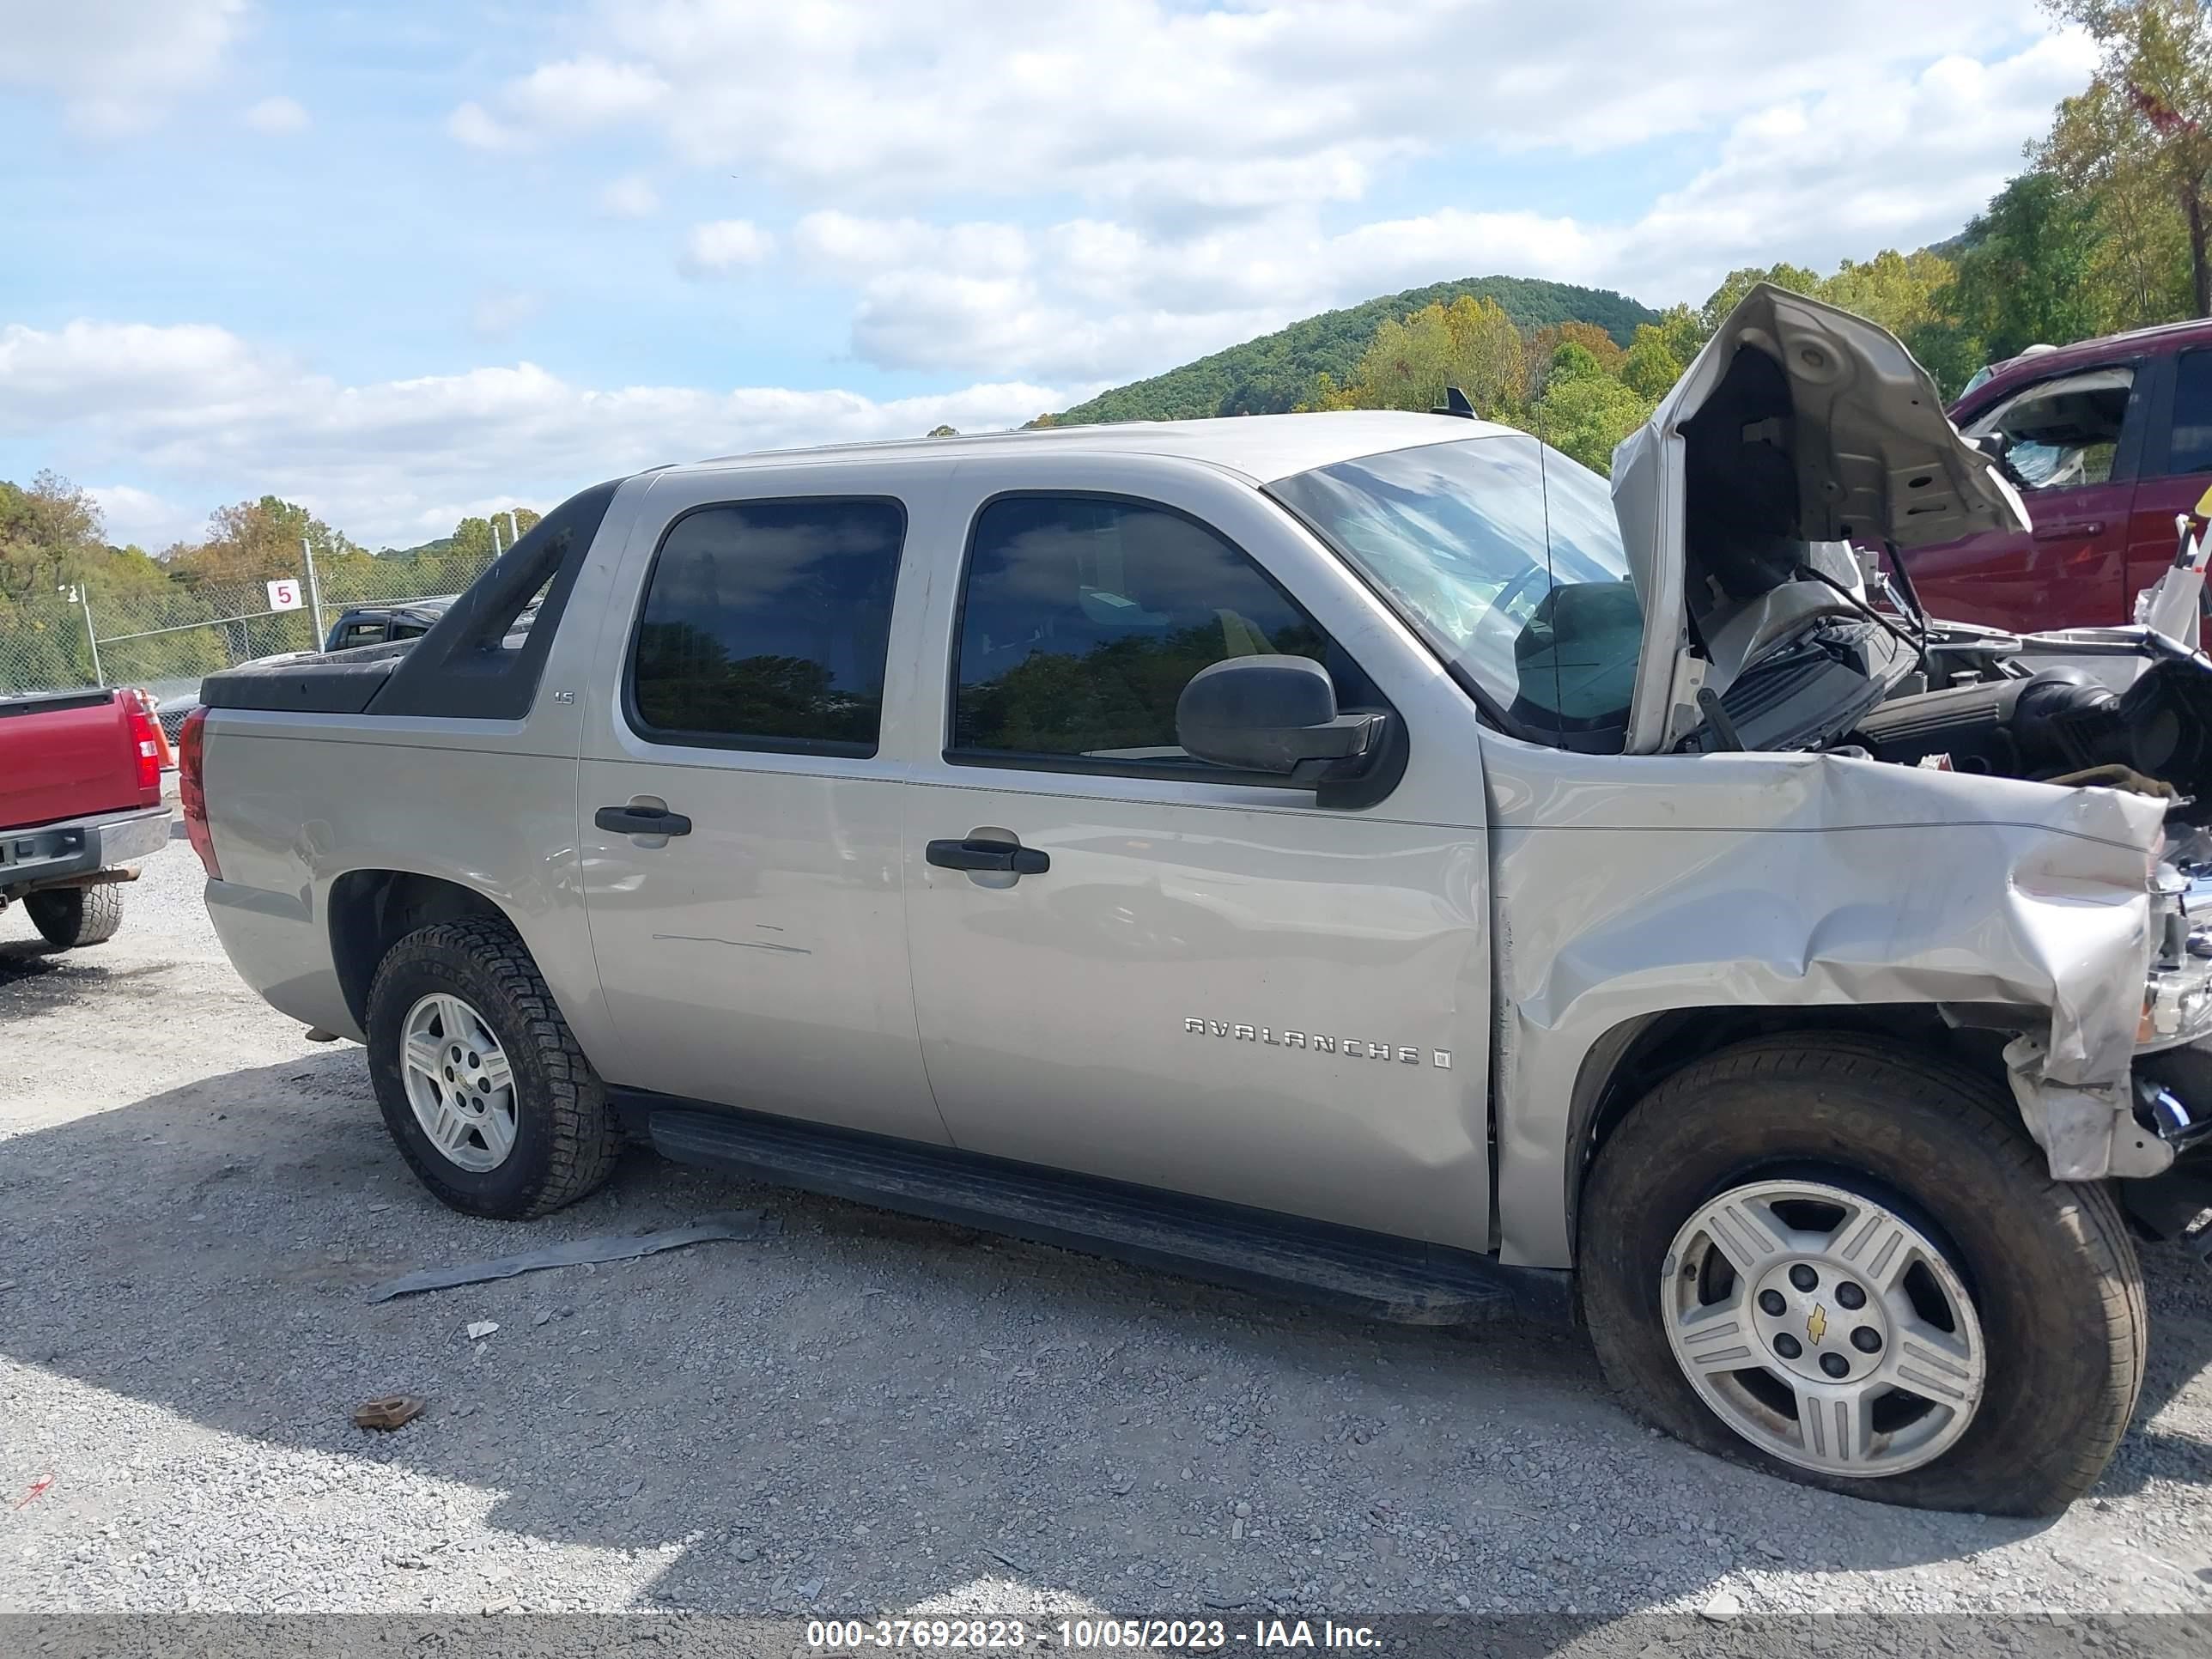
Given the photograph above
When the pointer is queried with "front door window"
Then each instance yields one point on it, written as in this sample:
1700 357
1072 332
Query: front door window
2063 433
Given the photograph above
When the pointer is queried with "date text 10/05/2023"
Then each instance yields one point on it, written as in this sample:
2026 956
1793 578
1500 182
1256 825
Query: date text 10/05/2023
1132 1635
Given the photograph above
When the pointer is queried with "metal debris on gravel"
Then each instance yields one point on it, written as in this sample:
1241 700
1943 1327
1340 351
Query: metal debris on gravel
390 1412
576 1253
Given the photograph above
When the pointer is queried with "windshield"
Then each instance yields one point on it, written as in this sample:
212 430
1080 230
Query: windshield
1544 627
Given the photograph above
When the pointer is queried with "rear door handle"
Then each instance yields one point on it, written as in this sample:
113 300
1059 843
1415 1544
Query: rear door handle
642 821
1002 856
2065 529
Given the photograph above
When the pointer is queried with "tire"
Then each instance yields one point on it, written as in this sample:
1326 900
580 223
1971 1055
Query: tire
2055 1291
563 1142
67 917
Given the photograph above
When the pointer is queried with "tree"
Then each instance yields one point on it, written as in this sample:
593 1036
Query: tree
2145 121
50 534
1572 361
1737 283
1542 346
1406 365
474 539
258 542
1681 331
1326 394
1585 413
943 432
1487 359
52 539
2143 262
1651 367
1897 290
445 565
1277 371
2026 274
1471 343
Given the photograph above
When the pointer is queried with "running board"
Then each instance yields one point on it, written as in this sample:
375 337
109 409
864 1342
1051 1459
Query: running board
1401 1281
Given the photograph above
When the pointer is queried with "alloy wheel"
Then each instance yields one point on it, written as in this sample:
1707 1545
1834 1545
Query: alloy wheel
1824 1328
459 1082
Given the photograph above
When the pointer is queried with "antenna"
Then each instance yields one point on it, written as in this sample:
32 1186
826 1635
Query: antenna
1454 403
1551 575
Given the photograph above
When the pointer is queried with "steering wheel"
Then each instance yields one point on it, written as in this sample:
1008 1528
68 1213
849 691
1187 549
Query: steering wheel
1503 603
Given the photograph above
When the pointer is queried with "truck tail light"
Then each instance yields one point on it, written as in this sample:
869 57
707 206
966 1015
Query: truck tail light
192 789
146 740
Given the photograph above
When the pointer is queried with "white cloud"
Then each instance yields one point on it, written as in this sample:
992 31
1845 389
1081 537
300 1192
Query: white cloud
1203 158
1089 299
1811 181
276 115
631 197
474 126
1858 168
1160 111
139 518
856 245
83 366
724 247
116 66
196 413
582 93
559 99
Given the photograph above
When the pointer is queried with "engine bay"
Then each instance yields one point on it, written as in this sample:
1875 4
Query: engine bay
2060 725
1803 644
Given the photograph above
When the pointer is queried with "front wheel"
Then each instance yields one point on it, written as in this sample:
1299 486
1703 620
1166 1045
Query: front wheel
479 1079
1848 1264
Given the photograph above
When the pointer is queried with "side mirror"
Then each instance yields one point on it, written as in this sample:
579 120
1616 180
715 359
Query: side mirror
1998 449
1275 715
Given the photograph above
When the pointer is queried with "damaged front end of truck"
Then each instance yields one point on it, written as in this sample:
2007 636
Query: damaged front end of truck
1770 509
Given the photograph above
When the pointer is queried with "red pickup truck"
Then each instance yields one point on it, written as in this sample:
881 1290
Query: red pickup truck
2110 439
80 799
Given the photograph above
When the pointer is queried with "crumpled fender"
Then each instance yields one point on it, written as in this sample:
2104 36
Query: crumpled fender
1631 886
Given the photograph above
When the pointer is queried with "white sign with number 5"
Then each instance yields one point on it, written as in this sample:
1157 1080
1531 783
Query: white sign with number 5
285 596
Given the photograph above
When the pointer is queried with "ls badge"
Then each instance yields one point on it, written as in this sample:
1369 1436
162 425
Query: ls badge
1317 1042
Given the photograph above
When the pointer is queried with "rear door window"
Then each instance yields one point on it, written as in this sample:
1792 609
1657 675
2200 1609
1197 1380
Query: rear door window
766 624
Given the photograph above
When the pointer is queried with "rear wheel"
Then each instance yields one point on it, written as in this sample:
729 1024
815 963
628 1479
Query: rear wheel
479 1079
70 917
1849 1264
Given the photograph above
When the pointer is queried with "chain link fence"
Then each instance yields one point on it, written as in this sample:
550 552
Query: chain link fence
165 638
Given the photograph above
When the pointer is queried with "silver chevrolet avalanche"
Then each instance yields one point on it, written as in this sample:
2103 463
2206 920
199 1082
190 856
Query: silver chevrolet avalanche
1359 854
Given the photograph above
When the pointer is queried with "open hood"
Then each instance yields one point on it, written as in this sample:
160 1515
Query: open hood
1798 425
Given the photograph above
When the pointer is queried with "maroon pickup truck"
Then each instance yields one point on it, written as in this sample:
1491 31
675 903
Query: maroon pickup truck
2109 439
80 799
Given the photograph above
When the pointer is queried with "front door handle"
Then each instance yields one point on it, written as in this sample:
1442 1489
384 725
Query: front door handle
1001 856
2067 529
642 821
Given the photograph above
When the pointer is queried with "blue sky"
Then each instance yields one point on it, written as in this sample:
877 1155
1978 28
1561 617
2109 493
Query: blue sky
406 261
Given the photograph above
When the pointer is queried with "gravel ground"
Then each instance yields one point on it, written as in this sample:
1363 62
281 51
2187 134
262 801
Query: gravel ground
860 1414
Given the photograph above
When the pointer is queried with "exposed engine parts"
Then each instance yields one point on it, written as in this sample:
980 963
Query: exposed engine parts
2061 722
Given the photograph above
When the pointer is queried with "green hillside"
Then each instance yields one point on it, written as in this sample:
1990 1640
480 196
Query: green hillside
1273 374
